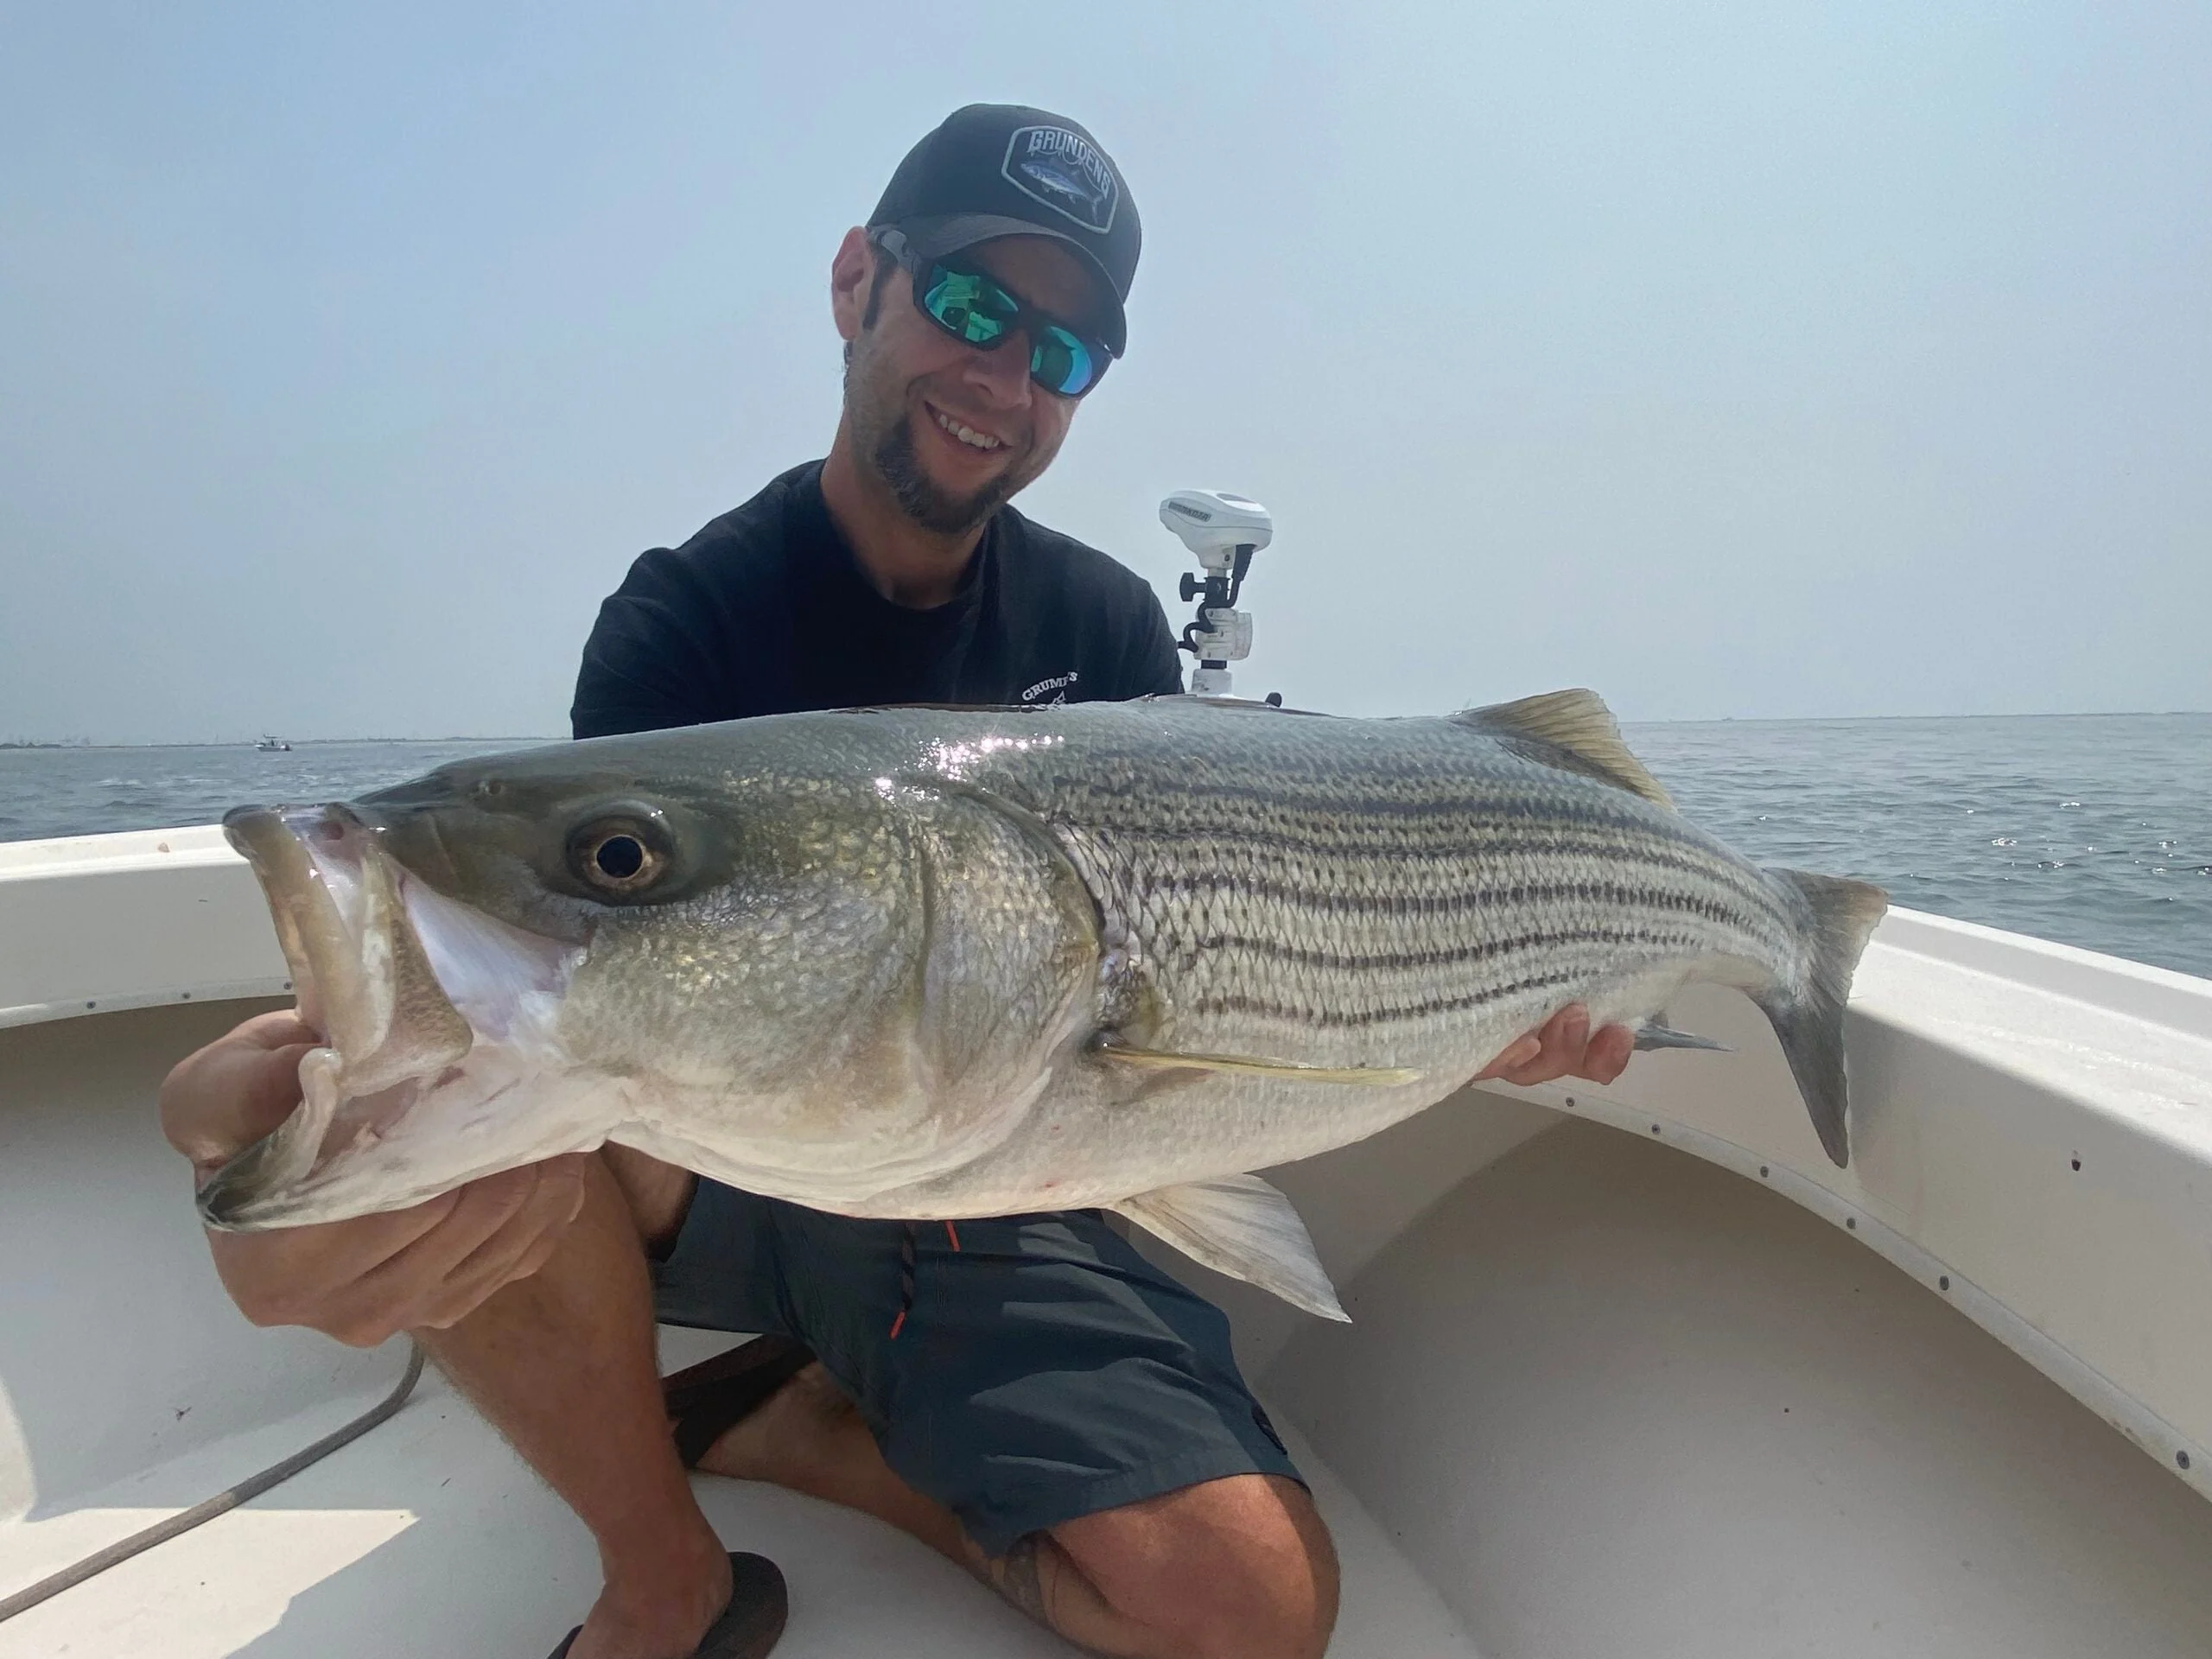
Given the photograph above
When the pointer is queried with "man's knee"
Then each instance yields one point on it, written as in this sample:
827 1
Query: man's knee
659 1195
1240 1568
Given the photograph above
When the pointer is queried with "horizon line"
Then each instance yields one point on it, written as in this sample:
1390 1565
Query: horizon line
27 744
21 745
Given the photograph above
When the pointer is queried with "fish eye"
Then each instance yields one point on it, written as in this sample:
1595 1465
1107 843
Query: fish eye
619 856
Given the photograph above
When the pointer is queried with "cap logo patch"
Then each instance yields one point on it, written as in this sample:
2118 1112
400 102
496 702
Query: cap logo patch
1066 172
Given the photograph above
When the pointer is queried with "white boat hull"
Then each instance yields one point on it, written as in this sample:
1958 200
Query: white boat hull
1660 1383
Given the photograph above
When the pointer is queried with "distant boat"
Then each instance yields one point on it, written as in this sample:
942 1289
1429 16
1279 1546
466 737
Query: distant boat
273 746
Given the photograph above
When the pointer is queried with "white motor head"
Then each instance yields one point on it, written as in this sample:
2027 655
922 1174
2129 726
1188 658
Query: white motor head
1214 525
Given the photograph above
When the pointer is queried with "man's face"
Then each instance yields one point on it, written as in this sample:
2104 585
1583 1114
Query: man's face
954 431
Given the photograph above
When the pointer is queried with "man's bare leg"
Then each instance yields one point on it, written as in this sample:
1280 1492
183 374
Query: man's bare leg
1217 1571
563 1364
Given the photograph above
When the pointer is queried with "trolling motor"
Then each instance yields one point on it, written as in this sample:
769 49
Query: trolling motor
1222 532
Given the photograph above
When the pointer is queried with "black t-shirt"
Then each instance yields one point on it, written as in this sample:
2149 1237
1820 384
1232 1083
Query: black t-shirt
766 611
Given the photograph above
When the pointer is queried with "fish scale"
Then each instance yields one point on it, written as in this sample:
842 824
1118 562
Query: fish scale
1329 925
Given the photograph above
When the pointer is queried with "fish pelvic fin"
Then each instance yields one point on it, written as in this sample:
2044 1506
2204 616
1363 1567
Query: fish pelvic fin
1652 1034
1809 1022
1580 732
1373 1077
1241 1226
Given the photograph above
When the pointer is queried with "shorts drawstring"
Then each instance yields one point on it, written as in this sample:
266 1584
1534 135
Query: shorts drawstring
906 1277
907 1272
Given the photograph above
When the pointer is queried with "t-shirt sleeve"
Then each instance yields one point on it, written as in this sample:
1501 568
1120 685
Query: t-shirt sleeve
647 665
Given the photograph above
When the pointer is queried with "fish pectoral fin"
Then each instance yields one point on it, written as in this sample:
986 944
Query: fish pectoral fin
1241 1226
1578 726
1373 1077
1652 1034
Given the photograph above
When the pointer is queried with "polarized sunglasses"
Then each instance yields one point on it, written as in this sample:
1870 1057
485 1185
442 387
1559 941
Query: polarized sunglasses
975 310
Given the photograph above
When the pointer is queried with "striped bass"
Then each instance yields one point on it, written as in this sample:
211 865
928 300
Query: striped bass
922 963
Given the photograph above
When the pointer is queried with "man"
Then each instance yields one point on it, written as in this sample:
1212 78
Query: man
1027 1396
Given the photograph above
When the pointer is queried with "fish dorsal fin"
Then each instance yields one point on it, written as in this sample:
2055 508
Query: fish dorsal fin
1578 724
1239 1226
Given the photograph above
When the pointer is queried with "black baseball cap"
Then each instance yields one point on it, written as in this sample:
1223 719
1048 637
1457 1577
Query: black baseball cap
1005 169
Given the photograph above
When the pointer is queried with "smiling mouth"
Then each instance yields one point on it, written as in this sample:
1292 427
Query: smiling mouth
962 433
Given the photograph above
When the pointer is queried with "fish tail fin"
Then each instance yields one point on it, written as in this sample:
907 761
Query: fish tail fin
1809 1018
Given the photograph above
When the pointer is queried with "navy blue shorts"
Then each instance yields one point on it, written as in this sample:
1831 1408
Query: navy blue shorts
1042 1368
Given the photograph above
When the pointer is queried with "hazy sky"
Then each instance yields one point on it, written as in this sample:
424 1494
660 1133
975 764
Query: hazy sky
1733 358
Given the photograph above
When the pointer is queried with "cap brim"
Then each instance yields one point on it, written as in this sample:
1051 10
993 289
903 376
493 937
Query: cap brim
932 238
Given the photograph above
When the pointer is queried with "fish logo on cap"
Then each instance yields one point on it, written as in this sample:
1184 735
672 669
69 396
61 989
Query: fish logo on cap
1065 171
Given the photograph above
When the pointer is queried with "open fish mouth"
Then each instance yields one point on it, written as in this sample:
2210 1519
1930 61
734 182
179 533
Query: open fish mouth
432 1013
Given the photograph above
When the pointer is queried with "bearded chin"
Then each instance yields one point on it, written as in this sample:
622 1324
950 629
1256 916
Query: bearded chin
918 494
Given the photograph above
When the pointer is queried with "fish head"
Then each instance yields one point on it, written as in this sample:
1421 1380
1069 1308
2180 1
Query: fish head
433 1015
434 931
514 958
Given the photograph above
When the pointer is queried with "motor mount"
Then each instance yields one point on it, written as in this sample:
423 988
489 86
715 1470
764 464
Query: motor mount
1222 532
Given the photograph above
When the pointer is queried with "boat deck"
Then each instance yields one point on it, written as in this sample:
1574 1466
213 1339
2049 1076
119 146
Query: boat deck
1601 1398
429 1538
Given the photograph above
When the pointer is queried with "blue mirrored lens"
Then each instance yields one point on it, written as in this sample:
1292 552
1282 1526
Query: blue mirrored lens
1061 362
972 307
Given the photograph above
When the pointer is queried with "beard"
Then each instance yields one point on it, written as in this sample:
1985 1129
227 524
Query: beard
877 406
921 498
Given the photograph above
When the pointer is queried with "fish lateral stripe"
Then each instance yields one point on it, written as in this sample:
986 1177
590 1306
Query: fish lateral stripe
1461 956
1567 844
1335 1019
1590 893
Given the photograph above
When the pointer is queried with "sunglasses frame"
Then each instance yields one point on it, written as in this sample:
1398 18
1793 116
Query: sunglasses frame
1026 319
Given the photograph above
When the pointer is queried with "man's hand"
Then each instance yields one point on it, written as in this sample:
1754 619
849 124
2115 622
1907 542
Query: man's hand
358 1281
1563 1048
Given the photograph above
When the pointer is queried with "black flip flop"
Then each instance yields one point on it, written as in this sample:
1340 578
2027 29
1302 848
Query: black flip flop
749 1626
704 1400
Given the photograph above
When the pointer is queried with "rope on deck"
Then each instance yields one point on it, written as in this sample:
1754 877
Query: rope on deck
229 1498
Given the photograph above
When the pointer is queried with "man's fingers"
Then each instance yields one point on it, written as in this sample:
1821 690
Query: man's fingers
479 1210
1609 1054
288 1274
1558 1047
362 1279
1566 1034
1546 1053
1566 1047
218 1101
278 1028
515 1251
496 1224
1519 1054
359 1280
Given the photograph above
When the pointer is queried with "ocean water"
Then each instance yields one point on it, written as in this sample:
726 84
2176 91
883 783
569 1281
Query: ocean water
2091 829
